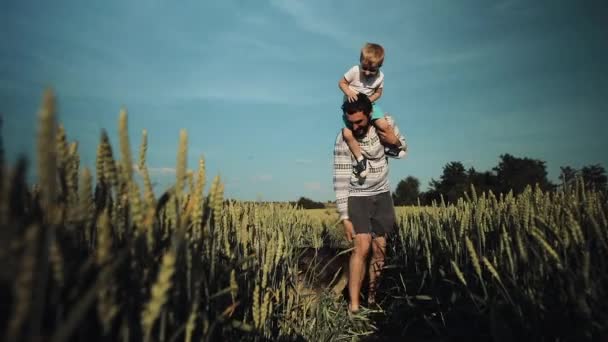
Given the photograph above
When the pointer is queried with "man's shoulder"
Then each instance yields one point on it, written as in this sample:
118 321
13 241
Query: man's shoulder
339 137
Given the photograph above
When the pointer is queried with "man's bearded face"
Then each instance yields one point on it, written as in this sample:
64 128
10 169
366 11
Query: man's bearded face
359 123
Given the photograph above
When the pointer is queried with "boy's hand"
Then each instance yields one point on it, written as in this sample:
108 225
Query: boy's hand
352 95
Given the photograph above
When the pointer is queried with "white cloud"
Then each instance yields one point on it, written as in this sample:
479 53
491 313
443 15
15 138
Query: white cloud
303 161
312 186
232 182
310 16
163 171
460 56
262 178
254 44
230 89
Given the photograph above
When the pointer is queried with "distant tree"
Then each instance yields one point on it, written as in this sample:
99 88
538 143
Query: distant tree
307 203
594 176
407 192
568 175
482 181
453 182
516 173
427 197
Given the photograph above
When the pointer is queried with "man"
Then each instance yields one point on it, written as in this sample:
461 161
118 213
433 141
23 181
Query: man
365 204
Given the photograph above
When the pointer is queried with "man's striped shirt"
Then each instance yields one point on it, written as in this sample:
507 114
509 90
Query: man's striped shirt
346 183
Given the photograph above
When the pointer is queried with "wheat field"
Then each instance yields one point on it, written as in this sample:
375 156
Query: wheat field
96 254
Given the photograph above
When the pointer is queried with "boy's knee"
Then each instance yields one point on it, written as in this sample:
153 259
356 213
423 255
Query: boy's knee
383 126
347 133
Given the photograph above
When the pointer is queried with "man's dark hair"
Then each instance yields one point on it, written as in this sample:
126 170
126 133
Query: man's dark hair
362 104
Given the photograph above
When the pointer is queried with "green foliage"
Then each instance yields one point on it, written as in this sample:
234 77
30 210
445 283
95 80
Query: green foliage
407 192
108 262
533 265
514 174
594 177
307 203
105 261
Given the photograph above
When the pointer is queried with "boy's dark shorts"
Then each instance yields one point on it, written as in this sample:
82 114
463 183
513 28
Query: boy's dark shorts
372 214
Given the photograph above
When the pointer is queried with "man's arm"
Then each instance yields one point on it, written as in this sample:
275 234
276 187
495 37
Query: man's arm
343 169
400 137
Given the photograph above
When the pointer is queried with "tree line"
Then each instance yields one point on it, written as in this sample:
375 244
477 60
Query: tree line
511 174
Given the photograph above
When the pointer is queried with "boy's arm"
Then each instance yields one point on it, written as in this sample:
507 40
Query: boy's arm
378 91
348 77
350 94
376 95
343 169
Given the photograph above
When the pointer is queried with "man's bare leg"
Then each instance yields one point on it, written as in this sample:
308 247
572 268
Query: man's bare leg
357 268
375 267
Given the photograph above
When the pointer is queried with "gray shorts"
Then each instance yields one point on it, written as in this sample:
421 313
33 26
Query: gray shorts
372 214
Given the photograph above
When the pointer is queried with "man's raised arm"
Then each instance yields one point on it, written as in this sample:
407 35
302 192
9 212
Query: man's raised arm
400 136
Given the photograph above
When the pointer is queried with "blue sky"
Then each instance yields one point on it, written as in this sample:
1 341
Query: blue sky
254 83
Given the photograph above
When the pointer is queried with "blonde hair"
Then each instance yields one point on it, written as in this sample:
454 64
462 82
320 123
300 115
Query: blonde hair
372 53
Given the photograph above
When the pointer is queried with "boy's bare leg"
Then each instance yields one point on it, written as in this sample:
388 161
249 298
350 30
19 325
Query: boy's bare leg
389 139
352 143
375 267
386 132
355 149
356 271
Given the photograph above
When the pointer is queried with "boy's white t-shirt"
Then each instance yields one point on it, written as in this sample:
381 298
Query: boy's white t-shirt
365 85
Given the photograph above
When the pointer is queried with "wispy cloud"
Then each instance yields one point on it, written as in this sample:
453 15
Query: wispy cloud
312 186
232 182
263 92
255 45
303 161
163 171
311 17
262 178
459 57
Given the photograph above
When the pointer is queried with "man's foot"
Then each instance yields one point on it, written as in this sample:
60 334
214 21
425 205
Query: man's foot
361 168
394 152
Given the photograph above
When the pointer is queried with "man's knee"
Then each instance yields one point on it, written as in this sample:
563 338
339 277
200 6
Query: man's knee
378 248
362 245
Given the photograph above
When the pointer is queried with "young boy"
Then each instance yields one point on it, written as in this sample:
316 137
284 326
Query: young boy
367 78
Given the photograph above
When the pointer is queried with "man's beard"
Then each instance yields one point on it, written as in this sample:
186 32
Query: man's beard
361 132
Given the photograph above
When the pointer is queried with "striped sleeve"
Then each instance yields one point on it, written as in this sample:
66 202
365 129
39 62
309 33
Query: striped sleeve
343 169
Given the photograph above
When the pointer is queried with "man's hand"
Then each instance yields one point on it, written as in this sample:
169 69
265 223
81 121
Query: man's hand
387 136
349 229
